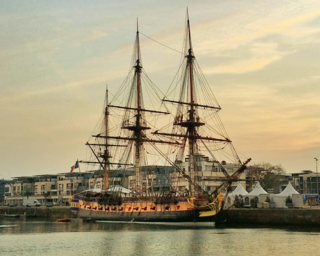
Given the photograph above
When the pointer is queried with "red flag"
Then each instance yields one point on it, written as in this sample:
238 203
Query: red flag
72 168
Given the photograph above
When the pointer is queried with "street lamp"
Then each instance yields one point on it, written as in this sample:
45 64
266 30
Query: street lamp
317 173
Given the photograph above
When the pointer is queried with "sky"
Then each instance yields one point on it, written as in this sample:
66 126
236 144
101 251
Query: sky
261 59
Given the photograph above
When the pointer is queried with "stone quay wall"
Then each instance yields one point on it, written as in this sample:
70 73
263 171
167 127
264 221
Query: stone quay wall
39 212
299 217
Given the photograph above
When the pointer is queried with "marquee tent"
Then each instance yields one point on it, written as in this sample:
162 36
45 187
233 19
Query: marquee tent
239 190
288 191
258 190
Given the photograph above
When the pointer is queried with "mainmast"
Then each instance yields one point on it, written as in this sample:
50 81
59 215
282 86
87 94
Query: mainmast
192 124
133 124
134 120
187 121
138 128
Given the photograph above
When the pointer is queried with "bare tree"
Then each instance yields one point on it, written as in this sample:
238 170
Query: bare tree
269 175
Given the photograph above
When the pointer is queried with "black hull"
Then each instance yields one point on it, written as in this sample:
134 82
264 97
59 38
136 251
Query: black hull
178 216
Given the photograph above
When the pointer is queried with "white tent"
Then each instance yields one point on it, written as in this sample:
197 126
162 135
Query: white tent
258 190
239 190
288 191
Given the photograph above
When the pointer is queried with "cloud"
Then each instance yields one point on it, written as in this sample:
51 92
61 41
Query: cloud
247 59
242 47
244 66
52 89
241 66
96 34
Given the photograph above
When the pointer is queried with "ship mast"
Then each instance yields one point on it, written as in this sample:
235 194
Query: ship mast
138 129
187 120
106 154
192 124
133 121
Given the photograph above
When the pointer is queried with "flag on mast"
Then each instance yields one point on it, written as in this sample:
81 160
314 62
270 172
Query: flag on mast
75 166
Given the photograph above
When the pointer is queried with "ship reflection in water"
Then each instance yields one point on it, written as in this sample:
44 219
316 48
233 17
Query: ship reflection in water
76 238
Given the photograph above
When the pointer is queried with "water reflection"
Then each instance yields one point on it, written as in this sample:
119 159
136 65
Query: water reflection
42 237
45 226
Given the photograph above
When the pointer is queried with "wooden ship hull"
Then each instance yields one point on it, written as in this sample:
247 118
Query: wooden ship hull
146 211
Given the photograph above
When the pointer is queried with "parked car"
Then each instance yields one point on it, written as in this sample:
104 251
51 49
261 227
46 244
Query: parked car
49 204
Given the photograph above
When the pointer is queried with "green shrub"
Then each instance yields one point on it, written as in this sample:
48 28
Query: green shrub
288 200
238 201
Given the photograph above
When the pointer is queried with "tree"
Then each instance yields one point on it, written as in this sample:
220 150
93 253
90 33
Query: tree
254 202
238 201
268 199
28 193
46 195
269 175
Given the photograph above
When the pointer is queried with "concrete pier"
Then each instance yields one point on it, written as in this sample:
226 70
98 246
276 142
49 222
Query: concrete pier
298 217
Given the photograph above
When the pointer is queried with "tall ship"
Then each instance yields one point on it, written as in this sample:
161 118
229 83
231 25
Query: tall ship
151 147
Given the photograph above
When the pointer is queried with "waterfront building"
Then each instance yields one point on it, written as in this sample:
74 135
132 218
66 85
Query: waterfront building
4 190
58 188
279 184
210 173
209 176
306 182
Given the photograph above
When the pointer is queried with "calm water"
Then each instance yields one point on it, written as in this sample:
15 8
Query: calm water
18 237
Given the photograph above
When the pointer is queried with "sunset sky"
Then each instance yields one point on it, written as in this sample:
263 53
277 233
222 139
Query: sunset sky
261 59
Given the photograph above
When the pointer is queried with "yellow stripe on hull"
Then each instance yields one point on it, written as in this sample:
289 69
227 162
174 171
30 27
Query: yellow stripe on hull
208 214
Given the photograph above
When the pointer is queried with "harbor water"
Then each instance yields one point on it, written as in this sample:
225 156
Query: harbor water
42 237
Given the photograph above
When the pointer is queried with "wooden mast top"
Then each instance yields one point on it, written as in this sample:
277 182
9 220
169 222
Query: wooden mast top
138 69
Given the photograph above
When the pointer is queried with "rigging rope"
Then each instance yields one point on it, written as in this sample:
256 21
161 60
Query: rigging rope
161 43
